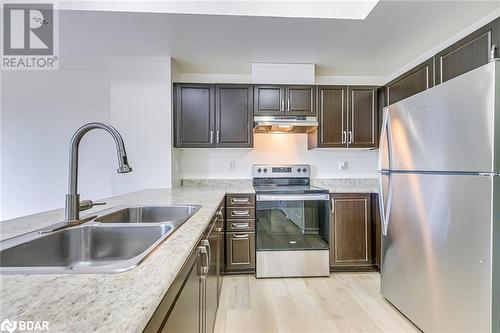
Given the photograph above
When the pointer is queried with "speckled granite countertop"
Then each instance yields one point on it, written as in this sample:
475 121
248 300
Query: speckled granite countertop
348 185
121 302
334 185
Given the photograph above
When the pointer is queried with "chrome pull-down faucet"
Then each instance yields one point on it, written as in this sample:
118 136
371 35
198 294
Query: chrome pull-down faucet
72 207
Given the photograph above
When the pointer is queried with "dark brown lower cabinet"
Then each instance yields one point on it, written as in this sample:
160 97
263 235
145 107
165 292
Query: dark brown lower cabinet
240 251
185 315
240 233
210 285
376 232
220 244
190 304
351 232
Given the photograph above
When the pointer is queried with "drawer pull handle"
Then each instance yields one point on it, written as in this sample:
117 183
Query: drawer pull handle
240 212
240 225
240 236
240 200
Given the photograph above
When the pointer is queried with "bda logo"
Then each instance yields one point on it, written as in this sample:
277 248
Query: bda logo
8 326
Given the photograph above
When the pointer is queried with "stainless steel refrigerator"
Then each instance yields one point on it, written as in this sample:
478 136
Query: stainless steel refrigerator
439 164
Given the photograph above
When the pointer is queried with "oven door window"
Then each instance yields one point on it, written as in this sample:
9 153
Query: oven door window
292 225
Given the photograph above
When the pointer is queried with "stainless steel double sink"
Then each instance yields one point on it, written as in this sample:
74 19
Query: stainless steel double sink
117 240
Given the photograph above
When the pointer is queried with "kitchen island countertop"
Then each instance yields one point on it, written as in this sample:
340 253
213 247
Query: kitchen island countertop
122 302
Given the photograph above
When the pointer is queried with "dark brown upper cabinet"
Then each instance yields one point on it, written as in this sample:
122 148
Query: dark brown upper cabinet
299 101
362 120
194 115
410 83
269 100
280 100
208 116
468 53
332 118
234 115
348 118
465 55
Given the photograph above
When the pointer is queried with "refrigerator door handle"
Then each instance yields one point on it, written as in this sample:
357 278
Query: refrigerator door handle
385 155
385 207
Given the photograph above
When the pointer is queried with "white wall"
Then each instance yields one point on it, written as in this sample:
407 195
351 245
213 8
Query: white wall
276 148
40 112
176 154
141 108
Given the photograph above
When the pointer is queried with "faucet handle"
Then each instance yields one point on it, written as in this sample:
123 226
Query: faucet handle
87 204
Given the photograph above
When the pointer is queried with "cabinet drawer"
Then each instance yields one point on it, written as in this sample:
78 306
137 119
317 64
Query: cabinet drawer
240 200
240 225
240 251
240 213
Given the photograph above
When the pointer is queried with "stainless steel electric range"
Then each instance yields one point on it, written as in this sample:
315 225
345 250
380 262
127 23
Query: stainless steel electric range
292 222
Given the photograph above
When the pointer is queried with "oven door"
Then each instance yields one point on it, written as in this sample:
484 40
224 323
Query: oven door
292 222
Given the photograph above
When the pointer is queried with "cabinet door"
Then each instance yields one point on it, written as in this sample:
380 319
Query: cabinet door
220 244
467 54
194 115
300 101
269 100
234 116
211 282
240 251
376 232
185 315
350 230
362 119
412 82
332 107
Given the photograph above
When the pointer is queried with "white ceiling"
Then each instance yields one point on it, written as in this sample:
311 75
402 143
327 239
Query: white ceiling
332 9
393 34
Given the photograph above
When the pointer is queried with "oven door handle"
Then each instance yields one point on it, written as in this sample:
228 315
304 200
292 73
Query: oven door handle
293 197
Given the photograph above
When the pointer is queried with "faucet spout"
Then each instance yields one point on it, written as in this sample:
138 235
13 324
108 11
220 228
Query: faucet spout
72 208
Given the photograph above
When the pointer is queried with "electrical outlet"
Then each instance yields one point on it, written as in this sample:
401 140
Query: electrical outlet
232 165
343 166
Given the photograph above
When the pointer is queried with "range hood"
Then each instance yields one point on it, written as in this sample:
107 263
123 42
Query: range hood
284 124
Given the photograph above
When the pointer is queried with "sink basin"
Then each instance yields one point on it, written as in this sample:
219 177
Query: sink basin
118 240
144 214
84 249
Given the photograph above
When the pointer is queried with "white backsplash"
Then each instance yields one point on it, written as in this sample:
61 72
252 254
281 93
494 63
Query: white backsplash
224 163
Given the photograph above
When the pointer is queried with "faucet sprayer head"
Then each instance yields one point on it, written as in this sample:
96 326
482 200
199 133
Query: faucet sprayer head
123 166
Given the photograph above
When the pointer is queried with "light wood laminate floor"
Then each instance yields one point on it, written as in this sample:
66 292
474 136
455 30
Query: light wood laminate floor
344 302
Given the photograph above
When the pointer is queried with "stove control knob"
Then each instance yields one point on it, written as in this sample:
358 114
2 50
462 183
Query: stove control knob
304 170
265 170
298 169
259 170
